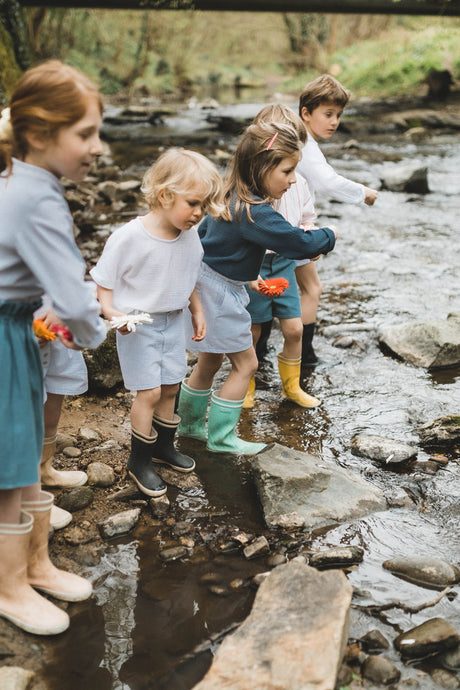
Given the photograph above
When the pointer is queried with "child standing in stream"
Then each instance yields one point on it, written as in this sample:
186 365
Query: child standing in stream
321 105
151 265
262 170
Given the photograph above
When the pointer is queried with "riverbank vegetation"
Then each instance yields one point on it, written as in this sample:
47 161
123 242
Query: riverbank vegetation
178 52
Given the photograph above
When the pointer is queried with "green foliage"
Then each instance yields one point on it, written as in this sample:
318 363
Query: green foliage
9 70
170 52
398 62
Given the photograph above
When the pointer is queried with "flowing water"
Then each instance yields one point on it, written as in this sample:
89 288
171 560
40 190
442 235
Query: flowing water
153 625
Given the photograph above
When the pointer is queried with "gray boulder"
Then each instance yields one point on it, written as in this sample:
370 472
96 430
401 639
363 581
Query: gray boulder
430 344
321 492
293 639
411 178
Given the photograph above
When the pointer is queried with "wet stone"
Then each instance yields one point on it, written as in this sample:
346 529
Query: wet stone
160 506
76 499
427 467
276 559
338 557
374 641
259 547
259 578
451 659
119 524
211 578
424 571
380 670
74 536
445 679
397 497
15 678
187 542
173 553
182 527
432 637
218 590
381 449
100 474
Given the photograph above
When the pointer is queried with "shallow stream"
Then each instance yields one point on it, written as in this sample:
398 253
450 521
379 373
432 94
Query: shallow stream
153 625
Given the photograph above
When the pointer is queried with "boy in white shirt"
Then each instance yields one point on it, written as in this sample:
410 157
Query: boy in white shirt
321 105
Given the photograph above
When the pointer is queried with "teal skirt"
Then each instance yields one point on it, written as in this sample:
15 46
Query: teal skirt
21 396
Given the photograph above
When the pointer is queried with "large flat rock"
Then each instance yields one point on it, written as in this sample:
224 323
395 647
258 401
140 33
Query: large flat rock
293 639
294 483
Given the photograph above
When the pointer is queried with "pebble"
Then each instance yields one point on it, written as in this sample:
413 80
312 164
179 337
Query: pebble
338 556
100 474
259 547
88 434
71 452
119 524
76 499
380 670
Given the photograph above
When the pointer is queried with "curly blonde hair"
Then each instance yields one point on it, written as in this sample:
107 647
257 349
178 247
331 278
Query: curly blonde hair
181 171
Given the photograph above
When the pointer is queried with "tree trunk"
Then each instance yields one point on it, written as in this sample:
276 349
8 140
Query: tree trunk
12 19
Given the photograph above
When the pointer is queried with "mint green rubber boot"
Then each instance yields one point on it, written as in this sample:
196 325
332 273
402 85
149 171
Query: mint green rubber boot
192 408
222 420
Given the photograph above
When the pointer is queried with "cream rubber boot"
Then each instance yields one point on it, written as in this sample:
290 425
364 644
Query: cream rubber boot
250 394
41 573
290 376
58 478
19 602
59 517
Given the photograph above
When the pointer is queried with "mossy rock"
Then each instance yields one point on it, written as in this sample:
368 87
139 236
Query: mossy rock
104 371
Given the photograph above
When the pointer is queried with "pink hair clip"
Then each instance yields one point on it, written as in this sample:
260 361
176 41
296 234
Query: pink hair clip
270 143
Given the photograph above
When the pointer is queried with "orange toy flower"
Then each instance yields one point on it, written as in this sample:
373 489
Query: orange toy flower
42 331
274 287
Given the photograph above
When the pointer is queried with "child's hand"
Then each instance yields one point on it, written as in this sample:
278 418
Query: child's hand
199 326
370 196
255 284
334 230
123 329
308 226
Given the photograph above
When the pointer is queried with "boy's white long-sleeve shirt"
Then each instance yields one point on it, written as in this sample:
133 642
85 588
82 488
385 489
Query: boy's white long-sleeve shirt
322 177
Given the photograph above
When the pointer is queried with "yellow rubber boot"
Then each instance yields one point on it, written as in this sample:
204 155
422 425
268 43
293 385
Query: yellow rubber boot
65 479
290 376
250 395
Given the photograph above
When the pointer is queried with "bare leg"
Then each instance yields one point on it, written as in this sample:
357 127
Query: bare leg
166 403
244 366
143 408
292 333
52 413
310 291
205 369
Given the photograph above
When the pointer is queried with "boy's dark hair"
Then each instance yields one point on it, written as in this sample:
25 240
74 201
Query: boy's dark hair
323 89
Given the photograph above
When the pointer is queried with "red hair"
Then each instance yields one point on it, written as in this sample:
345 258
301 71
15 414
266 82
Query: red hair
45 99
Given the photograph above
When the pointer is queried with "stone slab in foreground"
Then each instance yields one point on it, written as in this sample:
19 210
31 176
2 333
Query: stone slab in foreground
291 482
293 639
